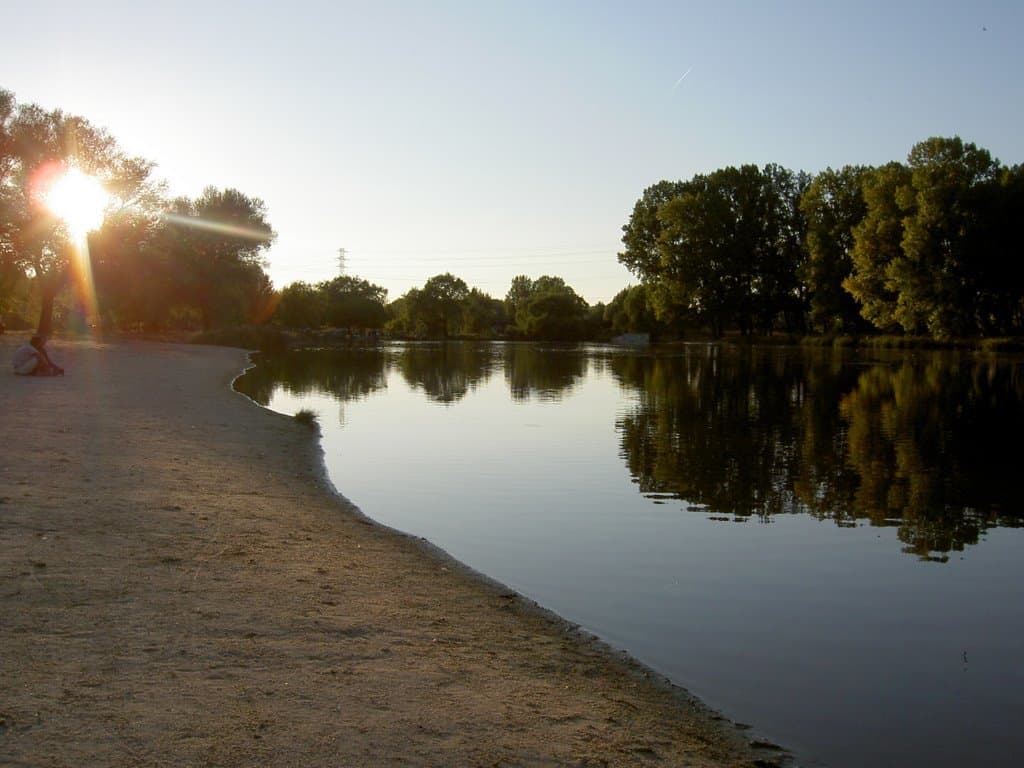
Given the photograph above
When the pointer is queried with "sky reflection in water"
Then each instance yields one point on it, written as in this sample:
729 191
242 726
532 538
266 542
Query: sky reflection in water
824 546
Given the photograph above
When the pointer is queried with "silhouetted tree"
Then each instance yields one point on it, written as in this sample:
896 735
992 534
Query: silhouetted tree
214 245
36 146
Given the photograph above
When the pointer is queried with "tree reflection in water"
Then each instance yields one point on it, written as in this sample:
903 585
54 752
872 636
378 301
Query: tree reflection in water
924 443
345 374
927 442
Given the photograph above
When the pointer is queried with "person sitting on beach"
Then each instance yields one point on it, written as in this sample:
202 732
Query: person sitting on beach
31 360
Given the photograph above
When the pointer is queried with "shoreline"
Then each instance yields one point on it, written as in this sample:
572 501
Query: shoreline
180 583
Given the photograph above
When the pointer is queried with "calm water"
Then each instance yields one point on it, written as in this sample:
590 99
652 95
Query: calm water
825 546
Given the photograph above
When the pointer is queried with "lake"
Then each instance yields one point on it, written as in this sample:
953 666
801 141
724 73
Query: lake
822 544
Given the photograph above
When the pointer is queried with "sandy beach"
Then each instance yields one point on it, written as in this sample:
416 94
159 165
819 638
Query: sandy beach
180 586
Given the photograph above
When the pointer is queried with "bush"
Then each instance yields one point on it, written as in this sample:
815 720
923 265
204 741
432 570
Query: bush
307 418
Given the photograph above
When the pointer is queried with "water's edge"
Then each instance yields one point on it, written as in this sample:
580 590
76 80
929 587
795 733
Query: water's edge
779 755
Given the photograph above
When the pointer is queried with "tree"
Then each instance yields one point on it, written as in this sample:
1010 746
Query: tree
632 311
937 273
300 305
442 300
483 315
779 290
214 245
833 205
923 255
877 246
722 248
550 310
710 241
435 310
642 255
133 284
351 302
36 147
994 241
519 291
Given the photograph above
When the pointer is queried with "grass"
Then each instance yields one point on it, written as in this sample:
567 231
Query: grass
307 417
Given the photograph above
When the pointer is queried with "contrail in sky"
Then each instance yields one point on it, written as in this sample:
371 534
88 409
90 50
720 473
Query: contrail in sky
682 78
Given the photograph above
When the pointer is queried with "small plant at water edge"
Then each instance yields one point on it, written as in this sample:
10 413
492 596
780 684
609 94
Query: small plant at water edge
307 417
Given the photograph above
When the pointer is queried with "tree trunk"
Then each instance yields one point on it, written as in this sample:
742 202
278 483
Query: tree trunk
46 312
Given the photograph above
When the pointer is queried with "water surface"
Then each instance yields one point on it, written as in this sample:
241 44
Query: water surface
822 545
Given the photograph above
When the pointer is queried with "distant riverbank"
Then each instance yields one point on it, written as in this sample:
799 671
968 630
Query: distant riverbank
273 339
179 585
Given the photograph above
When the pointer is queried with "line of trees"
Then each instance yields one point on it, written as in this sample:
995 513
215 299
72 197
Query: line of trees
922 247
925 247
444 307
154 262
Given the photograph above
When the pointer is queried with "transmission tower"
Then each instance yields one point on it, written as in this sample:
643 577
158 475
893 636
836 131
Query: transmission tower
341 261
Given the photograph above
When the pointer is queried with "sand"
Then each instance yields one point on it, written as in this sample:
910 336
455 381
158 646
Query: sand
181 586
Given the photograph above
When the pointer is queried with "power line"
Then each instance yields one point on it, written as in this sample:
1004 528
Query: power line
604 257
538 249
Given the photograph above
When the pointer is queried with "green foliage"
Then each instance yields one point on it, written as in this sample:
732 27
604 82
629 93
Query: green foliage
483 316
722 249
878 245
344 302
441 302
443 307
547 308
833 205
300 305
934 276
642 255
633 310
351 302
935 253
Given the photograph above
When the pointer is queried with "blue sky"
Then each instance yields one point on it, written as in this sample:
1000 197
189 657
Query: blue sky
496 139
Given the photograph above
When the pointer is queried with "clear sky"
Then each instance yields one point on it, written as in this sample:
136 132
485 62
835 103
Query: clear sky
491 139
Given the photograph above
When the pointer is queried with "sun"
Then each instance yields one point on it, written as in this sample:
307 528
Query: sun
78 199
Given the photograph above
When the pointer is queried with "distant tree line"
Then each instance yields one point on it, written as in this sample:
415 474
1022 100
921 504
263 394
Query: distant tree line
922 248
445 307
154 262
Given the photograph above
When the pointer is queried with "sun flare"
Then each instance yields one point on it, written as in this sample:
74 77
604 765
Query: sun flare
80 200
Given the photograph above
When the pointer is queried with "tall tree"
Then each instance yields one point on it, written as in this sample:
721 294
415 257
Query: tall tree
710 242
938 270
833 205
642 255
518 293
780 292
878 246
214 245
37 146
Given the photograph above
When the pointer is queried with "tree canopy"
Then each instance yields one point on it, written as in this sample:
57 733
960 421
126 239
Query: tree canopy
145 258
922 247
